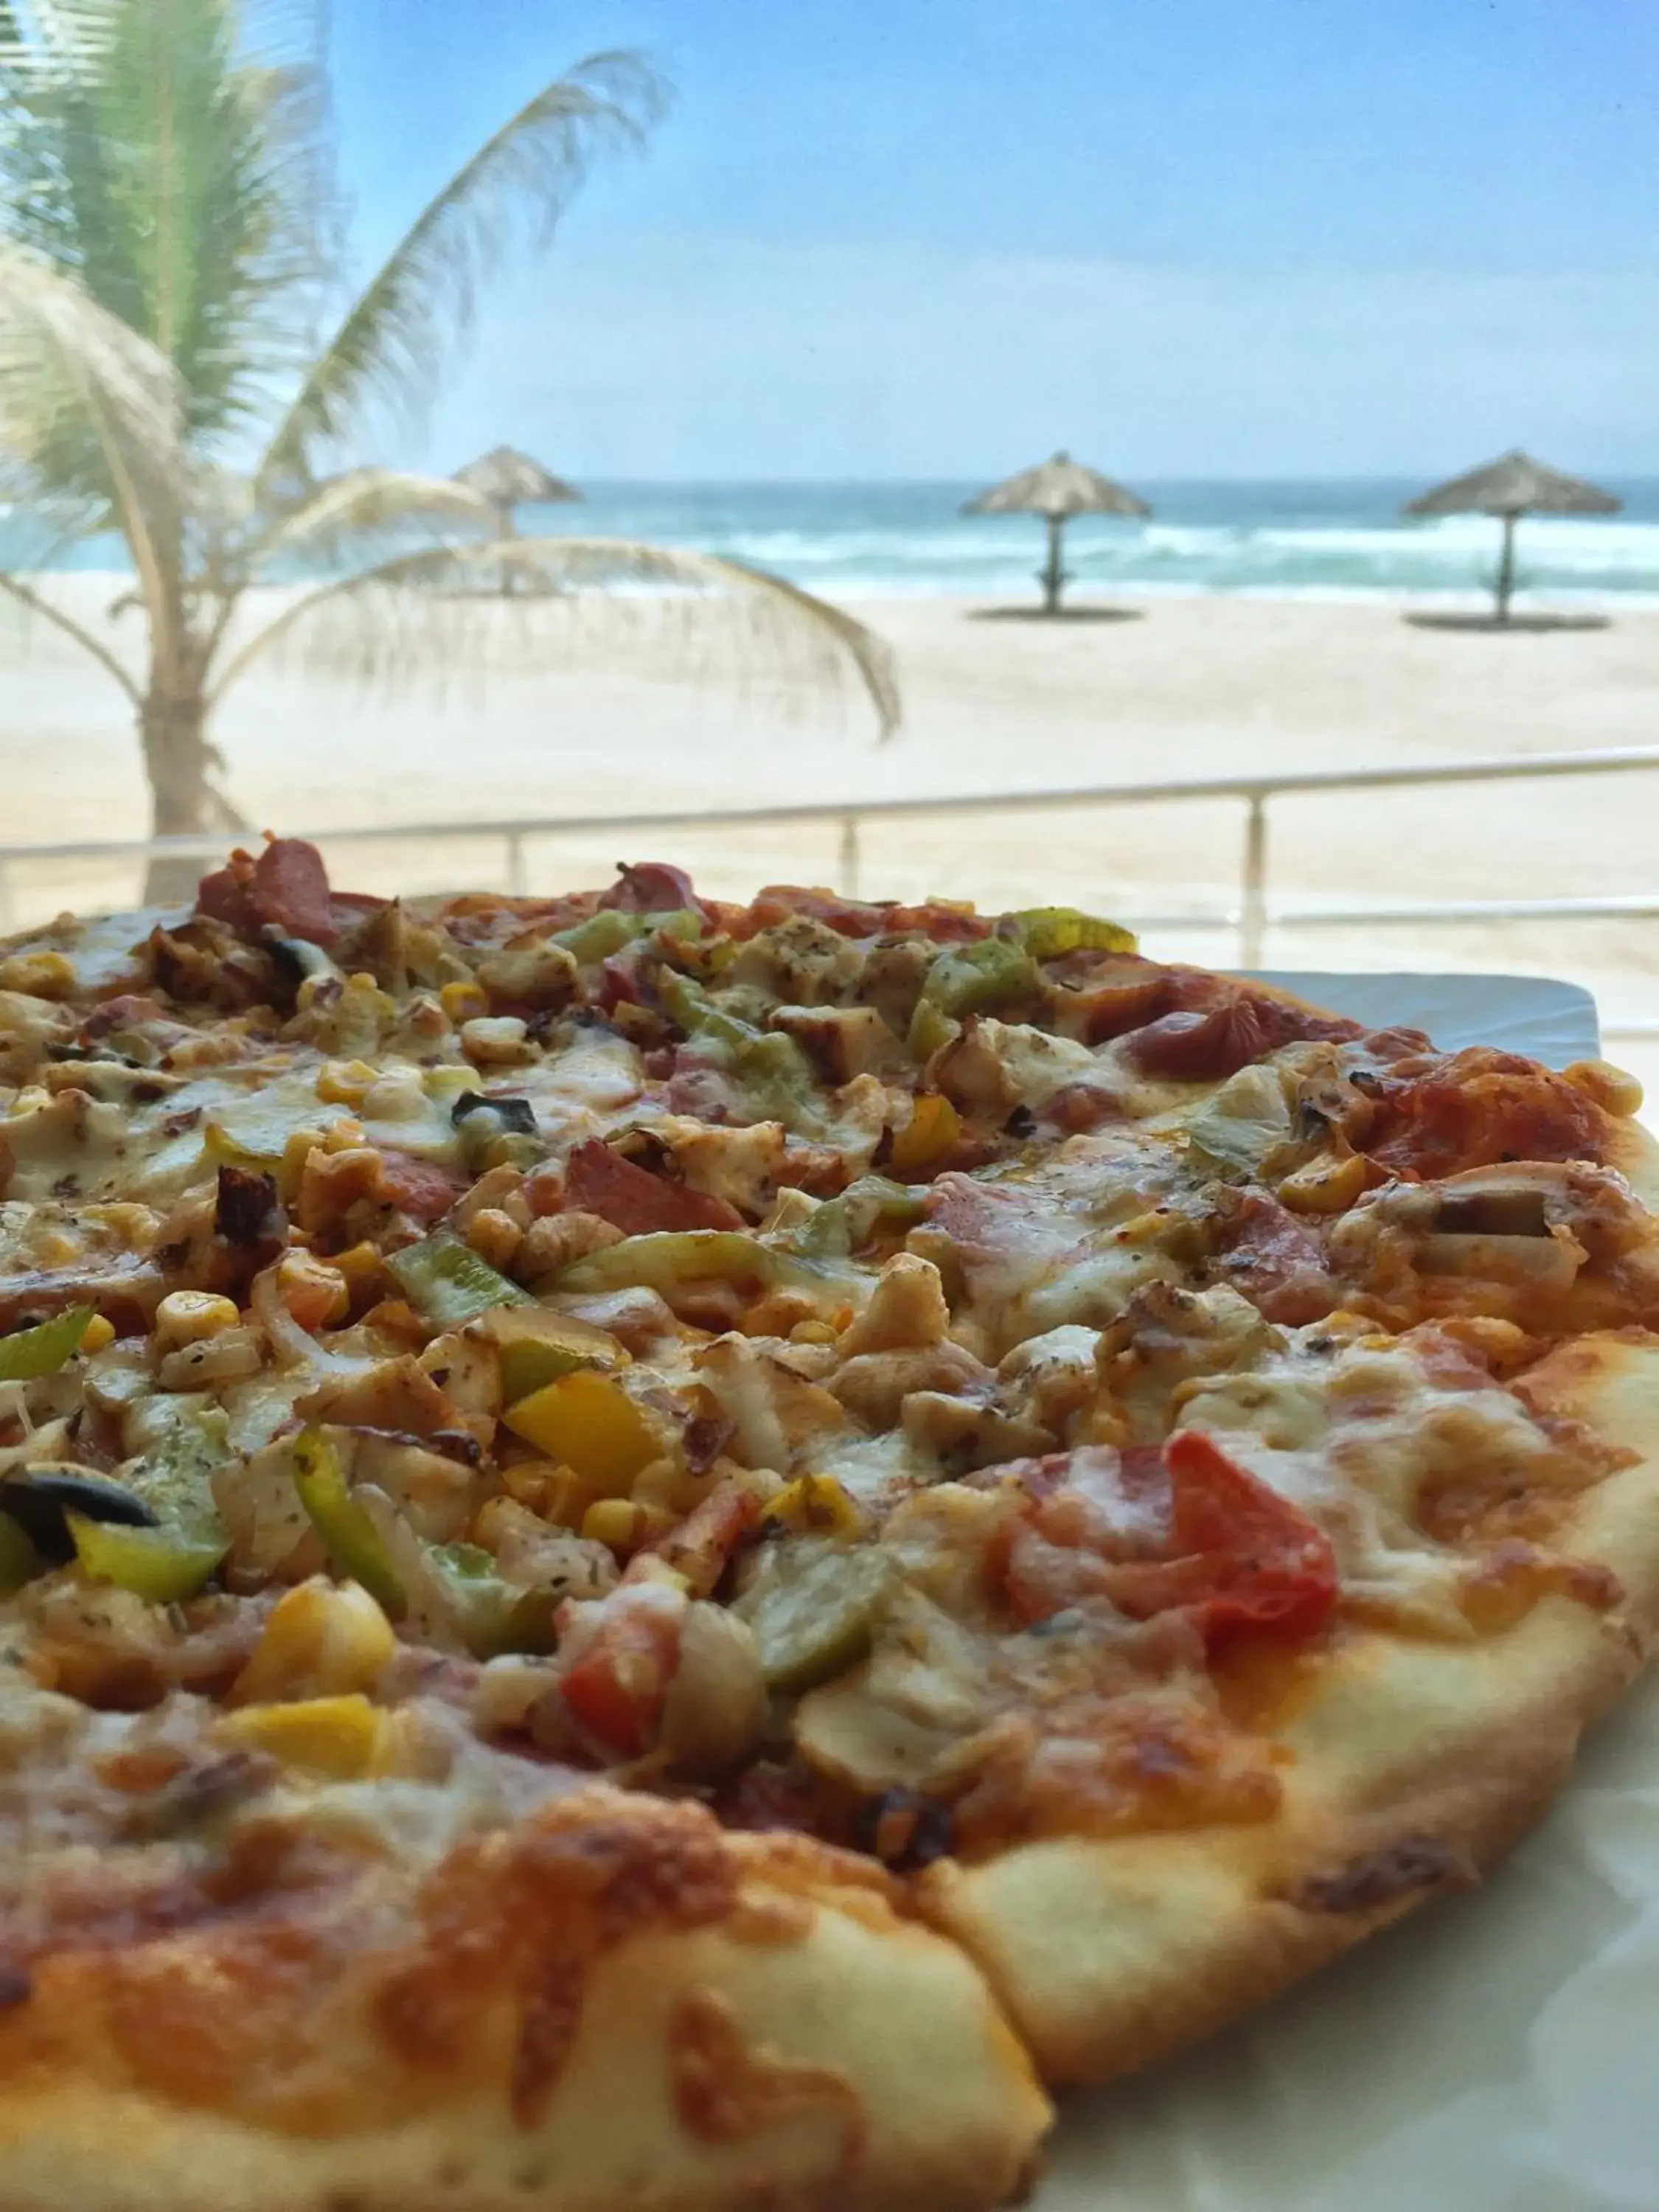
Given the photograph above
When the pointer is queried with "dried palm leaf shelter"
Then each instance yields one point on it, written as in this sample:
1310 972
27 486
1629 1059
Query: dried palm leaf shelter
1057 489
508 478
1510 487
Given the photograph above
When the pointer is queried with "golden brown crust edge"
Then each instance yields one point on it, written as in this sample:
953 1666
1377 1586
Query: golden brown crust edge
811 2049
1418 1764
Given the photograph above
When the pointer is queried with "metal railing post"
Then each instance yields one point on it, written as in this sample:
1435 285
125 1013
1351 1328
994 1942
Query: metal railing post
518 883
1252 901
848 863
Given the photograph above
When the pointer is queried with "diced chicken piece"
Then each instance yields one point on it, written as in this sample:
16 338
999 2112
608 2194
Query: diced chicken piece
967 1433
741 1165
842 1042
557 1241
800 961
906 1310
397 1394
774 1412
1051 1378
874 1385
436 1495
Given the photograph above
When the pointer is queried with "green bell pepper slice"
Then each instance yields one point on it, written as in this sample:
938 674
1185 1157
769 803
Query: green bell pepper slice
1048 933
495 1616
841 1224
608 931
447 1284
163 1567
970 979
349 1536
32 1352
773 1069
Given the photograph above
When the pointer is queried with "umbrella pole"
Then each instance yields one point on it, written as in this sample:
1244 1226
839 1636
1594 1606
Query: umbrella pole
1506 570
506 527
1053 576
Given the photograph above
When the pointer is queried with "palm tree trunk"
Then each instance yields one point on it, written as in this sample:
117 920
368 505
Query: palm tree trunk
173 730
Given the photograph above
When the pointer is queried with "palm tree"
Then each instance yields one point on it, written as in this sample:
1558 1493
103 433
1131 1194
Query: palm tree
169 250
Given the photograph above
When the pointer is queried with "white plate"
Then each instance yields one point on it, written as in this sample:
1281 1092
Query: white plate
1497 2052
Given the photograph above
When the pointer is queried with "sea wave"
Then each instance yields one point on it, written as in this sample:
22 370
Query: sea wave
1301 540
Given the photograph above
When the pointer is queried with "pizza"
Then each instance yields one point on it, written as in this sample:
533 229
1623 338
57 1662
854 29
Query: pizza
669 1553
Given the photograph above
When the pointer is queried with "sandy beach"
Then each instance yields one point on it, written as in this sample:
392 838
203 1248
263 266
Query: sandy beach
1176 689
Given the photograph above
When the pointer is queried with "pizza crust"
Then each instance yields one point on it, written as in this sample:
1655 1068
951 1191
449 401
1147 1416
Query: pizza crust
1418 1764
811 2047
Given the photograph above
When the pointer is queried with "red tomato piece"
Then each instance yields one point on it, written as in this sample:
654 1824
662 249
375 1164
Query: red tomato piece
705 1541
615 1688
1244 1556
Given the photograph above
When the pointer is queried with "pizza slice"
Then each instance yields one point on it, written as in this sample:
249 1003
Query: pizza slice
658 1552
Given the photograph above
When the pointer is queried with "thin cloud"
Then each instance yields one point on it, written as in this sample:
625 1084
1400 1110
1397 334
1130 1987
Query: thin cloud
676 356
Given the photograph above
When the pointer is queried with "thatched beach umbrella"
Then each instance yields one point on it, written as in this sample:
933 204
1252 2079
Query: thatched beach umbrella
1056 489
508 479
1509 488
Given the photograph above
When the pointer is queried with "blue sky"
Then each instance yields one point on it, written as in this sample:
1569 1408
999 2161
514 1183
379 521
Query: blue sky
940 237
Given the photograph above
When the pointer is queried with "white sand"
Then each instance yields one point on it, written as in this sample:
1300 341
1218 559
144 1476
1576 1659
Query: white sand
1189 689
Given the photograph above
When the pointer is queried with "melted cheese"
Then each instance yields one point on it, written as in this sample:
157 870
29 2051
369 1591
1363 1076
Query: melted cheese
1354 1439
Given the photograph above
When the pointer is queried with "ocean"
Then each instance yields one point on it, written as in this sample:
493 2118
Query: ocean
1299 539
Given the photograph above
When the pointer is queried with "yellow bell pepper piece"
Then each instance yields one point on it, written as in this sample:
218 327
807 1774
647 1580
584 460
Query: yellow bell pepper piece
933 1128
815 1505
321 1640
1326 1185
338 1737
590 1423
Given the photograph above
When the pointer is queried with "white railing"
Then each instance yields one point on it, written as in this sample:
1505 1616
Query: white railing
1251 919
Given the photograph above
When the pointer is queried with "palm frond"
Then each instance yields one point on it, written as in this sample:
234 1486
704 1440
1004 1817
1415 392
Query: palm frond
401 334
362 513
35 603
516 605
89 415
173 156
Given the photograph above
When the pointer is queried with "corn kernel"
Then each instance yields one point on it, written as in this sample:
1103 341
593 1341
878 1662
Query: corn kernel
321 1640
99 1331
815 1505
933 1127
338 1737
777 1312
1326 1186
497 1041
345 1136
496 1237
189 1316
357 1263
464 1002
313 1292
1610 1087
37 975
301 1144
650 1567
345 1082
623 1525
811 1332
